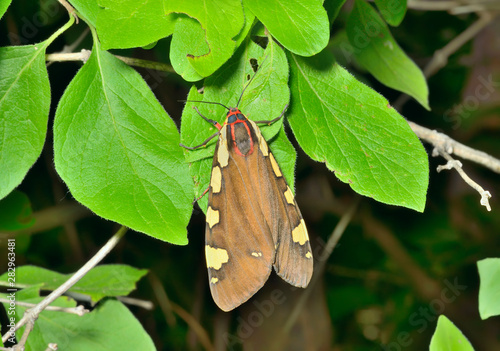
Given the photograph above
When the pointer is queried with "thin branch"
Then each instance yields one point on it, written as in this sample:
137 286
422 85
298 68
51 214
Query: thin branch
147 305
78 310
162 298
424 285
440 57
454 7
84 55
194 325
451 146
485 195
32 314
71 10
51 347
320 266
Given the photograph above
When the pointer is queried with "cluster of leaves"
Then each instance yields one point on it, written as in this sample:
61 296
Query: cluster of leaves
118 151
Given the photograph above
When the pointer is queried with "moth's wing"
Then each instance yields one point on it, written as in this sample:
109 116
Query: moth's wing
239 245
294 260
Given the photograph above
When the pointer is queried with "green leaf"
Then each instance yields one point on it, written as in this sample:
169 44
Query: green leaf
15 212
189 36
301 26
376 49
99 282
130 23
264 99
489 289
88 9
4 5
393 11
222 22
340 121
118 151
111 326
448 337
24 111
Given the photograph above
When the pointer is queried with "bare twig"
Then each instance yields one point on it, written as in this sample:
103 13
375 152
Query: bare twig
445 146
69 8
454 7
78 310
194 325
320 266
32 314
440 57
84 55
424 285
485 195
444 142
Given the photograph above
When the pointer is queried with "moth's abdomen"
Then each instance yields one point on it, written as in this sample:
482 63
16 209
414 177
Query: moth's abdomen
242 139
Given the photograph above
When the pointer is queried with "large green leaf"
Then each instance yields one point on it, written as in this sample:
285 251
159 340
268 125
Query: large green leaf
375 49
356 133
24 111
301 26
131 23
489 289
118 150
264 99
448 337
99 282
221 20
88 9
4 5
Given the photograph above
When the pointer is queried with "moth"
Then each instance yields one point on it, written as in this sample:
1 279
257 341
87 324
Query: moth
253 222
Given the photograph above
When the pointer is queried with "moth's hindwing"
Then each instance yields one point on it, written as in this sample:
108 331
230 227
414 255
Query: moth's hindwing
253 222
294 260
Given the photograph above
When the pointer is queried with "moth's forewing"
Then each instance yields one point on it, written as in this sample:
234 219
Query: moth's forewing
253 222
239 245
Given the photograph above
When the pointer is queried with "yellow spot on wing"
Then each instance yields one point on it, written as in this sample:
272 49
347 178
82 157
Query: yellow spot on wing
214 280
308 255
223 152
212 217
299 234
289 196
216 257
257 254
276 168
215 181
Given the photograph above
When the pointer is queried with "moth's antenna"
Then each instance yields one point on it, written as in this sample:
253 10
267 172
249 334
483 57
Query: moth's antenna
206 102
250 81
